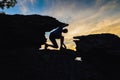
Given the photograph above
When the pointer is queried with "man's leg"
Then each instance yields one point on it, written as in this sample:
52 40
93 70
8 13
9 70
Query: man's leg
61 41
64 46
46 45
55 45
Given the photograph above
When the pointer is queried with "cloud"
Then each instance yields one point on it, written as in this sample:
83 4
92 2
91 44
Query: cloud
25 6
99 2
83 18
88 19
33 2
113 27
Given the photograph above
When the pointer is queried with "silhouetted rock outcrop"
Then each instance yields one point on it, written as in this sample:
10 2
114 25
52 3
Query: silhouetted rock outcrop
55 65
45 65
106 43
102 50
19 31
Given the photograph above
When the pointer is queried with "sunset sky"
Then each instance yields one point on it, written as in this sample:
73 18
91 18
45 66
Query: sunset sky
83 16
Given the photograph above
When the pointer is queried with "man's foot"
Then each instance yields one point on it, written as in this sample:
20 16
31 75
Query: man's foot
61 48
46 45
64 46
55 46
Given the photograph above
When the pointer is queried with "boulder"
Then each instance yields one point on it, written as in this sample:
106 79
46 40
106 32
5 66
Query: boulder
102 51
21 31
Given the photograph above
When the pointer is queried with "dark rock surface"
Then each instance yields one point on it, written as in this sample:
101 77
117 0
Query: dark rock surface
97 41
18 31
101 50
20 59
33 64
45 65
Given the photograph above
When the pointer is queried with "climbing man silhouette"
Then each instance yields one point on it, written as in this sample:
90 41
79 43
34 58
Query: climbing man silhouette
57 34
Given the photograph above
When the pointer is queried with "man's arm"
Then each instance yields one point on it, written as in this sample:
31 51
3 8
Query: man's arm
65 25
61 28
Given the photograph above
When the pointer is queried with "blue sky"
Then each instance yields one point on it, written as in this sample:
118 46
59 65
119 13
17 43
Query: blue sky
26 7
83 16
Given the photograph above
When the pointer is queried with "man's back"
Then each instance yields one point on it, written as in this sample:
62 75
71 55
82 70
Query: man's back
57 33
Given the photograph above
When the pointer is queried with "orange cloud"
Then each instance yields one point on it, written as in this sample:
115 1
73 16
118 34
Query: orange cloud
98 18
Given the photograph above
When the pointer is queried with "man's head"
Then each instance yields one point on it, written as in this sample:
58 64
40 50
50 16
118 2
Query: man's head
65 30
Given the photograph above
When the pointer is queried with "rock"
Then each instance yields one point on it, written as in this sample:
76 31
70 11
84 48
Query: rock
97 41
55 65
106 43
21 31
101 50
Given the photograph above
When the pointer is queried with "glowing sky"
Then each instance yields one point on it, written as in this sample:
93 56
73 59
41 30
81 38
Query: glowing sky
84 16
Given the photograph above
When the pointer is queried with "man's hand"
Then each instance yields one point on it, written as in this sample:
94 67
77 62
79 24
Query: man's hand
65 25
